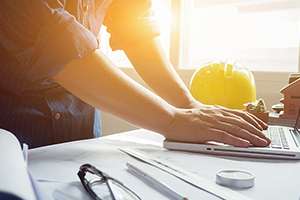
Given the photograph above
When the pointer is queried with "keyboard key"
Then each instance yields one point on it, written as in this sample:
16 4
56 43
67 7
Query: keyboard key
267 134
283 139
297 136
275 138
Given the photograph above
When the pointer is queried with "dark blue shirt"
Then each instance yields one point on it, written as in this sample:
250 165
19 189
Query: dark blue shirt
36 41
37 38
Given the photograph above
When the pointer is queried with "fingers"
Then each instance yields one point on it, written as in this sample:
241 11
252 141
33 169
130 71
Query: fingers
250 119
246 117
238 127
244 125
242 133
224 137
222 125
262 123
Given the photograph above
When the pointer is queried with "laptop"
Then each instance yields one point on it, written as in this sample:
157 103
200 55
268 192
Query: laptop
285 144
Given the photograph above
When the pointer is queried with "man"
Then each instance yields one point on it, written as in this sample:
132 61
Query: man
52 75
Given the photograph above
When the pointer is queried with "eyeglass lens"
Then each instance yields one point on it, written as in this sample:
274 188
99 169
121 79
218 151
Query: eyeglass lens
101 189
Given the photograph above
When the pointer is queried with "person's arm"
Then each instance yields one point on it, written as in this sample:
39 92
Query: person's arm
96 81
155 68
151 63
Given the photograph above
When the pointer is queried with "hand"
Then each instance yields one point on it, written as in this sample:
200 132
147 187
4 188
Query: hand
252 119
212 123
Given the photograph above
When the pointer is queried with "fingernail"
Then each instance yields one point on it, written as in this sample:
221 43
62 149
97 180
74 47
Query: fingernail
248 144
264 142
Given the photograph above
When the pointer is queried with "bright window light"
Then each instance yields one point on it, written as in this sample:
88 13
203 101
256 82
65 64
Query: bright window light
162 13
262 35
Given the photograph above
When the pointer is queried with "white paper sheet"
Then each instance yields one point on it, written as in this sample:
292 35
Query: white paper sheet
13 171
275 179
55 171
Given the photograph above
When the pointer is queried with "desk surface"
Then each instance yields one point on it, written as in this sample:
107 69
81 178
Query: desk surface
55 168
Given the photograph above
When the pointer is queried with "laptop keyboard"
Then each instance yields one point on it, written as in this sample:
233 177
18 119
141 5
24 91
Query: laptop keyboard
296 134
278 139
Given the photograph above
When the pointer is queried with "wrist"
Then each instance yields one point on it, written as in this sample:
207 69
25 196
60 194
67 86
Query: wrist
162 122
170 127
194 104
186 101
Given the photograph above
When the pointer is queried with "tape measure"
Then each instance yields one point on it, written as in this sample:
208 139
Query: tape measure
235 178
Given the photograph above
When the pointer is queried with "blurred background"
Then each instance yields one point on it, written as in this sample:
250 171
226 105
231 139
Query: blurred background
262 35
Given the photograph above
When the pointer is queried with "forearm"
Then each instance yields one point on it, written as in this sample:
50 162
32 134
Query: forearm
98 83
156 70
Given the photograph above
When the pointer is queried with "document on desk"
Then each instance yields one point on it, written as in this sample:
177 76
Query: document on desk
14 176
55 169
201 183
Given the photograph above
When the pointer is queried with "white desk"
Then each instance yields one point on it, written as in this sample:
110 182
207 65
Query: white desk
55 167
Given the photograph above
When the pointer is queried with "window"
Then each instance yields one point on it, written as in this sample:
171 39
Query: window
162 11
262 35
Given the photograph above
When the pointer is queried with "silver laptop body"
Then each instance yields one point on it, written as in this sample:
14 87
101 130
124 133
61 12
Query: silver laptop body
285 145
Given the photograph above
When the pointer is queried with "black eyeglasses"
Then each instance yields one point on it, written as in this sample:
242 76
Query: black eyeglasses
100 186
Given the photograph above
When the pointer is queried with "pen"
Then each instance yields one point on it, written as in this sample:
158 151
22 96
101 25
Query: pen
154 183
25 153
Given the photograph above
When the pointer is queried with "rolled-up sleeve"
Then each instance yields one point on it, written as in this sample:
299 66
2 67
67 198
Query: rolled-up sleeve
130 22
39 41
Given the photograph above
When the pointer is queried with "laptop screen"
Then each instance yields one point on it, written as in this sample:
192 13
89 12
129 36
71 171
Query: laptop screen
297 123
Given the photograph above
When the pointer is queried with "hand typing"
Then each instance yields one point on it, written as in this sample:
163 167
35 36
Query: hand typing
213 123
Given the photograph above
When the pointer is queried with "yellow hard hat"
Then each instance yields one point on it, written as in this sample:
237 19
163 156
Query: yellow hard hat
224 84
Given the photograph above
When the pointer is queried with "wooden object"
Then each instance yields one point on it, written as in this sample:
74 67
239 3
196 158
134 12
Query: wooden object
258 109
293 77
291 100
264 116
